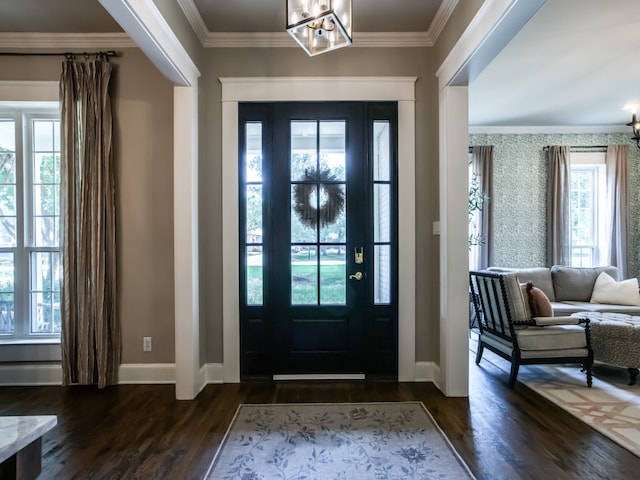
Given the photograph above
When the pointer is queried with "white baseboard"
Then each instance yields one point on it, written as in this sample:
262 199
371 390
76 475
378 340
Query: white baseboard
152 373
143 373
427 372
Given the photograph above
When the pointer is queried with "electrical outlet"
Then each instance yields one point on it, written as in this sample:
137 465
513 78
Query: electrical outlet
146 344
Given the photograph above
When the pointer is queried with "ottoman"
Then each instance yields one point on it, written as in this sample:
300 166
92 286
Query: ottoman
615 339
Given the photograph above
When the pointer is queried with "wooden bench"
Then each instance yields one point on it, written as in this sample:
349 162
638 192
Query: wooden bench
21 445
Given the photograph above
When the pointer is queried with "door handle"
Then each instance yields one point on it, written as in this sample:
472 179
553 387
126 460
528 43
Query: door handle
356 276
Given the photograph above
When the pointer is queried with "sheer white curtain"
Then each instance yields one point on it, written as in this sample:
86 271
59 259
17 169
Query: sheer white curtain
481 255
617 168
559 206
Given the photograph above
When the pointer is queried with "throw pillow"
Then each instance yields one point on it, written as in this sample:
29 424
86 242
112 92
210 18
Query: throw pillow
607 290
539 303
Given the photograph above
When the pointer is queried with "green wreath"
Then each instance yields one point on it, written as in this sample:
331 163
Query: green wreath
329 211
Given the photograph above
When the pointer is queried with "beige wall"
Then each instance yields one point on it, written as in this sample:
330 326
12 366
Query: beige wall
143 136
294 62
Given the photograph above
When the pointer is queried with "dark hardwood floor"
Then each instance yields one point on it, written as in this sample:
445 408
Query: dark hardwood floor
142 432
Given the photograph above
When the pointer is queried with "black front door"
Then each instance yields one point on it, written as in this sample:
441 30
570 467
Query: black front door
318 233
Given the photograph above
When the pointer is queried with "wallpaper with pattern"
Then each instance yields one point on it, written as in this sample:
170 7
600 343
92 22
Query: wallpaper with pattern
519 199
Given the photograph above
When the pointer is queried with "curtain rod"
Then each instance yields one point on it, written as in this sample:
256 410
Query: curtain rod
581 147
106 53
471 147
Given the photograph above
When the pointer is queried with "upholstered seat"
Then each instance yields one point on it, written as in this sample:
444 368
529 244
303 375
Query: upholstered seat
508 329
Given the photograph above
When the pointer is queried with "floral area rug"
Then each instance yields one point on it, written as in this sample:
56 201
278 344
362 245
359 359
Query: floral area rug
331 441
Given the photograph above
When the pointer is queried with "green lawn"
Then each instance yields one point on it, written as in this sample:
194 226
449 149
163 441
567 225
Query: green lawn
304 288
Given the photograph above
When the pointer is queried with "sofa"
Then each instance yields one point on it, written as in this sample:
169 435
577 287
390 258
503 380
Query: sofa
570 289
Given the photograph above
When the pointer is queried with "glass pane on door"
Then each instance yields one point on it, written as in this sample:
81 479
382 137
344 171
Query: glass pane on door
318 212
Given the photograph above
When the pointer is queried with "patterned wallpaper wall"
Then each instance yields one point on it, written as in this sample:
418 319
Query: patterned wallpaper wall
519 199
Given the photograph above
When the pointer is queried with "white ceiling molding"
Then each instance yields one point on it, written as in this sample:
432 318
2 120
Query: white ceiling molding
85 41
195 20
282 40
539 130
440 19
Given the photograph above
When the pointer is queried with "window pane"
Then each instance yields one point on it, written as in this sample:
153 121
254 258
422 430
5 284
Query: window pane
304 150
382 274
7 200
7 231
44 165
43 132
255 278
6 293
46 231
382 213
253 155
45 292
333 149
333 285
7 167
333 213
381 149
304 205
304 275
254 213
7 136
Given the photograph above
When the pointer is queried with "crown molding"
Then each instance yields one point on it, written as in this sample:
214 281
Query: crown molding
195 20
440 19
85 41
282 39
548 129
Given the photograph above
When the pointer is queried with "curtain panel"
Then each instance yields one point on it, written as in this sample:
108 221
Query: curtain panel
482 166
617 172
559 207
91 336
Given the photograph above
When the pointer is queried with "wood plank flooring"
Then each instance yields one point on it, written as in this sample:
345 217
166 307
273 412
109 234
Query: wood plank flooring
142 432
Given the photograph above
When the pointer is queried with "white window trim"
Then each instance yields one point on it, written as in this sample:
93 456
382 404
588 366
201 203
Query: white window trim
12 95
591 160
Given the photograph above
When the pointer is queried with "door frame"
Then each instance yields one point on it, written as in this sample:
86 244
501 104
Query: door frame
275 89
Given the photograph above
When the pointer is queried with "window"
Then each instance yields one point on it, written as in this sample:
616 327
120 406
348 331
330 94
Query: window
588 219
30 268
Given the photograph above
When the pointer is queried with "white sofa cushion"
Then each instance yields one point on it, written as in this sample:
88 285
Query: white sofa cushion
607 290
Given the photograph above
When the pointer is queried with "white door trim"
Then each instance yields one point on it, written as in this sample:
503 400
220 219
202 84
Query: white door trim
273 89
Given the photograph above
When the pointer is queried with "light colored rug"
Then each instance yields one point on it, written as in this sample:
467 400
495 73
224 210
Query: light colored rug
331 441
610 406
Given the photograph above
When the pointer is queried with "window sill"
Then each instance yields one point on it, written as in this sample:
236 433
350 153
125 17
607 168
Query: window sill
29 341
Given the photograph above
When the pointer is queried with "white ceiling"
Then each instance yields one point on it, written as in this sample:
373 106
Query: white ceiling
573 64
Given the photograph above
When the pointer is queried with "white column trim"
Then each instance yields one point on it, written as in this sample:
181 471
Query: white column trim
454 232
185 241
267 89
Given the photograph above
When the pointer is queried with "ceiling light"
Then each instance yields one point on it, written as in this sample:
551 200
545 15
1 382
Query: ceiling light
634 123
319 26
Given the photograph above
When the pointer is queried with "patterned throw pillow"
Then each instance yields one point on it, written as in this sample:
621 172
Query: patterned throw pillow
539 303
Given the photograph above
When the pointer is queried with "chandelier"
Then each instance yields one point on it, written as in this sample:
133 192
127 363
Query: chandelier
634 123
319 26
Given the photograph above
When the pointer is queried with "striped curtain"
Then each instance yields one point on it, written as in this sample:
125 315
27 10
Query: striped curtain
91 336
